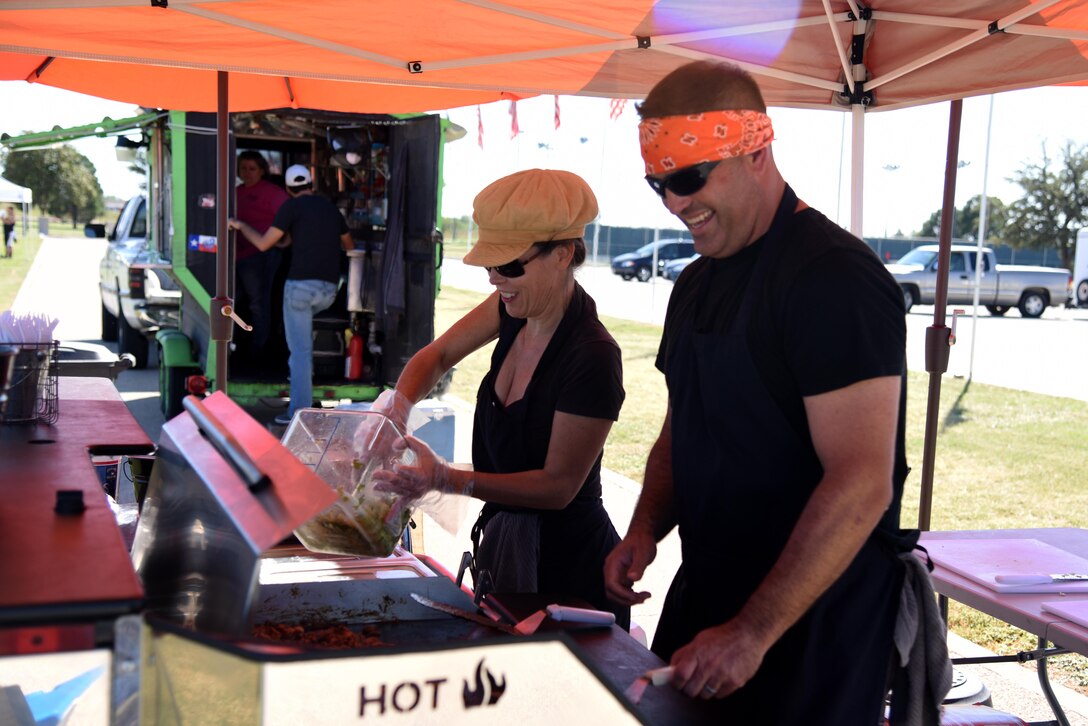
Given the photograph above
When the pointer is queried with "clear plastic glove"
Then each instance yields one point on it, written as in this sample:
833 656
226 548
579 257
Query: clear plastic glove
400 409
428 473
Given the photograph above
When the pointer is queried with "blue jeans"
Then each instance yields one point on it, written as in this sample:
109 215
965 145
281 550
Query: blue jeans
253 297
302 299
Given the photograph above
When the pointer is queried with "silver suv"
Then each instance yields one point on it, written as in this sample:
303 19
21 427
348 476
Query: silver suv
138 294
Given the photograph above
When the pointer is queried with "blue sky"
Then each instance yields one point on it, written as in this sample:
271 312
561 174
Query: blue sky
808 148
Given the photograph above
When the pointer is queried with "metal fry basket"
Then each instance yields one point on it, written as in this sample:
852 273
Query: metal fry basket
32 395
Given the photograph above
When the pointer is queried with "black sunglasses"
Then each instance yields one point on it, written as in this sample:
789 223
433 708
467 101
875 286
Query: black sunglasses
515 268
685 182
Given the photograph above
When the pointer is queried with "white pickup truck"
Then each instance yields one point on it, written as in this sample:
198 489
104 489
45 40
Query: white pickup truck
138 294
1001 287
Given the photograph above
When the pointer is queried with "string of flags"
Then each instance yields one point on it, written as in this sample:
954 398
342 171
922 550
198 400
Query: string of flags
616 109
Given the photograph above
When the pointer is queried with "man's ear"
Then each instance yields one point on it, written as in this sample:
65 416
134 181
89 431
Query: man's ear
761 159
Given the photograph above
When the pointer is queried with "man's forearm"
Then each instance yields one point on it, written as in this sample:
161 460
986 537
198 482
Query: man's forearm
853 433
836 522
263 242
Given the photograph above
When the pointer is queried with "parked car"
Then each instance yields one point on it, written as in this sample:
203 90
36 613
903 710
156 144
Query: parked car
673 268
638 264
139 297
1001 287
1080 271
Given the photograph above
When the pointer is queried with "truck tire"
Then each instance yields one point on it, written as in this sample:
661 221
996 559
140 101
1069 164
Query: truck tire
172 389
109 325
997 310
130 340
643 274
910 296
1082 293
1032 304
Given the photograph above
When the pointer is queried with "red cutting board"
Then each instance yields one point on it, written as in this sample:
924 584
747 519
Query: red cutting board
1073 610
980 560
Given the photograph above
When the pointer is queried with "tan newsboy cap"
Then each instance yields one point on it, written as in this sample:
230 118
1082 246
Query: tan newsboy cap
535 205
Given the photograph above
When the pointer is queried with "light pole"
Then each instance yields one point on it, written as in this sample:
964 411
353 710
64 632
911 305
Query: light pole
982 213
959 165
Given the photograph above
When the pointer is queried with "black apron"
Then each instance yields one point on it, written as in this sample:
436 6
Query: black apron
575 540
742 476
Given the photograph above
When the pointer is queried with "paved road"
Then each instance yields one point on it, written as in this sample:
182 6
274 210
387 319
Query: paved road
1047 355
63 283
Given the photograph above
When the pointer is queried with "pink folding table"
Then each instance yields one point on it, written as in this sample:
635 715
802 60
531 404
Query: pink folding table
967 568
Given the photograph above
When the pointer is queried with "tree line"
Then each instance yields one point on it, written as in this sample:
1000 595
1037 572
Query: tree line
64 181
1053 208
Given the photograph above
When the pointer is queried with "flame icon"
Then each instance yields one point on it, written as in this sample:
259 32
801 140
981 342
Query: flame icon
476 697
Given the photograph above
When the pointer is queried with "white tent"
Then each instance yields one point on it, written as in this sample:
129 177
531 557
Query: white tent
12 192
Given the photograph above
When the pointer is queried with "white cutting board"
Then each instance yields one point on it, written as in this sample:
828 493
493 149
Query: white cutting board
1073 610
981 560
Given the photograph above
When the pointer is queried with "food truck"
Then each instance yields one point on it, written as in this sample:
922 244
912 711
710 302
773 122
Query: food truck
383 172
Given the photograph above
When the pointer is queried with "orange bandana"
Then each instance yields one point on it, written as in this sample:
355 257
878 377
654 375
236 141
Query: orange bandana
673 142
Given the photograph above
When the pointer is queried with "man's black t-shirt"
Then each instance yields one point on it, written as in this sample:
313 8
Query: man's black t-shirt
829 315
315 226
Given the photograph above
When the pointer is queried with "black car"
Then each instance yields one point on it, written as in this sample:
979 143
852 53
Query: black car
638 263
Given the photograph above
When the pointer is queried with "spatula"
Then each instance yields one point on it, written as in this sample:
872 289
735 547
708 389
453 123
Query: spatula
564 614
465 614
529 625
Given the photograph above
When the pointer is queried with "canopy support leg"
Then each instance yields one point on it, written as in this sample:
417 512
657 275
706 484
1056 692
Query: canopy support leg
937 335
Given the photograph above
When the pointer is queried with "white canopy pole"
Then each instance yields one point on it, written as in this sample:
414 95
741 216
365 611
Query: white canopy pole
858 75
857 174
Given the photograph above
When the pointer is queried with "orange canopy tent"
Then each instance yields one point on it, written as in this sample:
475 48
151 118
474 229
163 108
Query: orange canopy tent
415 55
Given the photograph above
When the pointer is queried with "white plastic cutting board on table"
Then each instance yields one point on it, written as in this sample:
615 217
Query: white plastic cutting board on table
981 560
1073 610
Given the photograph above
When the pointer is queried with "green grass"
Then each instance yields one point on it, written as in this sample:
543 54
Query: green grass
1004 458
13 271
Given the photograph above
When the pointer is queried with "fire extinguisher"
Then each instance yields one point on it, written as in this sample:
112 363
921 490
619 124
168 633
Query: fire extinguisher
355 352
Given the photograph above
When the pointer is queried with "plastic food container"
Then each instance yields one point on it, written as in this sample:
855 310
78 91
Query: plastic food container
345 448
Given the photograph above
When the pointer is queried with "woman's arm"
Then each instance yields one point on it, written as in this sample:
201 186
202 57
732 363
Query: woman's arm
476 329
575 444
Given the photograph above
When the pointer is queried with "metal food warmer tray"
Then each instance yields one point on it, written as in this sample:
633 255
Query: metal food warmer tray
214 553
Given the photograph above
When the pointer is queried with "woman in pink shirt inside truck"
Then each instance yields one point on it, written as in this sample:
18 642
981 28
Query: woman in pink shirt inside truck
257 201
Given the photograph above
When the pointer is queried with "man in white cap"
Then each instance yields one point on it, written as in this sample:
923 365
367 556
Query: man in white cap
319 234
